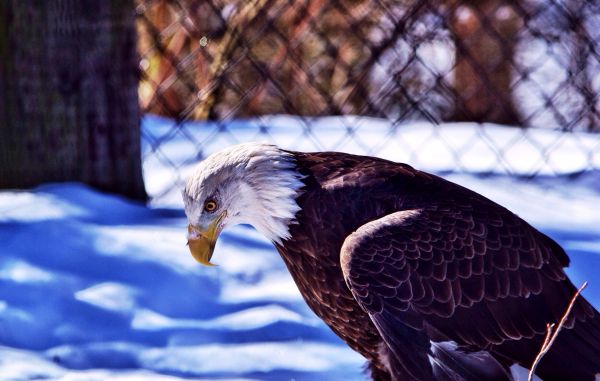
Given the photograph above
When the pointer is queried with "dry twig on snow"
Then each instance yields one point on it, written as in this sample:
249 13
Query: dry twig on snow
552 332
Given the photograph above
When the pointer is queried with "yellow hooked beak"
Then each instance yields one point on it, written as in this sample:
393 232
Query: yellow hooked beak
202 242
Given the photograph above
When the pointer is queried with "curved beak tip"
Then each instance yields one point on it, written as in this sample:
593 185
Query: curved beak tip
201 244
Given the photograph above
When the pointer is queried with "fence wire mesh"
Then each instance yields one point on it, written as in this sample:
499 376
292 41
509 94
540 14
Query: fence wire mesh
232 64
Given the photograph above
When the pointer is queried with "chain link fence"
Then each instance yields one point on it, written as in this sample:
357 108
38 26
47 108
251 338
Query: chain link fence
375 77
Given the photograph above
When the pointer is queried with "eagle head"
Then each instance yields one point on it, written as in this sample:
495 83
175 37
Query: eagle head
252 183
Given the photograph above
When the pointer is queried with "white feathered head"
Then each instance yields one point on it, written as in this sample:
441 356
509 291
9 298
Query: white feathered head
250 183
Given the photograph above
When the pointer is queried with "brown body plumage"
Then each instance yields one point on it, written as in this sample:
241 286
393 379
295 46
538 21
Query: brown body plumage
499 285
426 279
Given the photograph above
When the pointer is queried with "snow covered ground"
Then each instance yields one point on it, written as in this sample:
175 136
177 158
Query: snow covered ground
95 287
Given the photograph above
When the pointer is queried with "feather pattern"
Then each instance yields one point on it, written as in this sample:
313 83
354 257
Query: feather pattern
394 258
426 279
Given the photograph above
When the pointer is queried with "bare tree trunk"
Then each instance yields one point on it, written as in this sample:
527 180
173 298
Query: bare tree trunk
69 109
485 34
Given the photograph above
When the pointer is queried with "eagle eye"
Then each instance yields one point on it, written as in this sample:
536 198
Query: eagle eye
210 206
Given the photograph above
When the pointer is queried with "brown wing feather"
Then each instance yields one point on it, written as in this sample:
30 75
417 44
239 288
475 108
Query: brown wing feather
475 274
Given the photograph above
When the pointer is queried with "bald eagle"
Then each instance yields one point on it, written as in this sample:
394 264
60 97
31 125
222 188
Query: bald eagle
426 279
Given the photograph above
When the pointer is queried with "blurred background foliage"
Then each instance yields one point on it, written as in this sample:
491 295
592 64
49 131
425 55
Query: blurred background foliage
525 63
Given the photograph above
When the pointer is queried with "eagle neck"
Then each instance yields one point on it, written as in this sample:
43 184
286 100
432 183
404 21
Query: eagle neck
272 190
